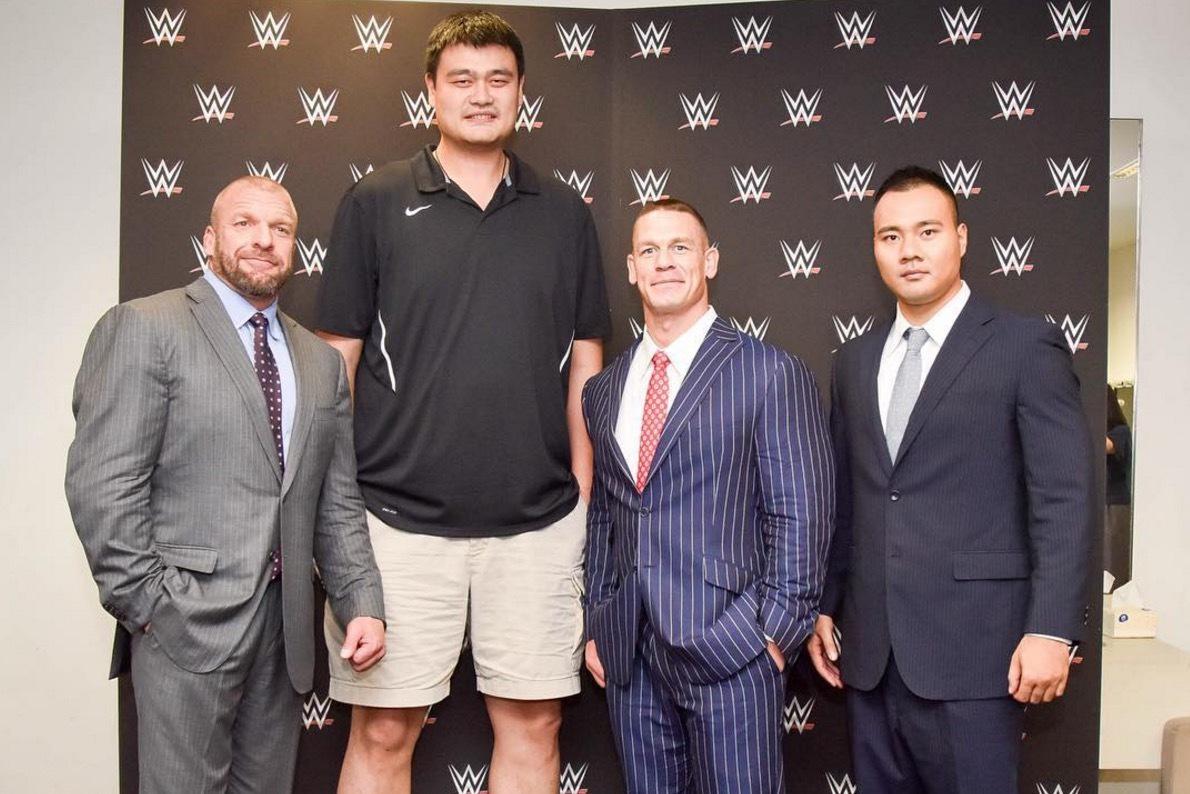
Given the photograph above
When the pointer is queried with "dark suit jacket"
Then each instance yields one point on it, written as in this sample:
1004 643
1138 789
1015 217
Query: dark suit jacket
727 542
177 494
980 531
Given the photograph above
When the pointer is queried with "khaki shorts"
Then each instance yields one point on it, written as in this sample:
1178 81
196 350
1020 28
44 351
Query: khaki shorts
519 596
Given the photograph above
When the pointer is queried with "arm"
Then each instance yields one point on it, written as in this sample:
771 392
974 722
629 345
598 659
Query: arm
1056 453
120 407
348 347
797 487
600 569
342 546
586 359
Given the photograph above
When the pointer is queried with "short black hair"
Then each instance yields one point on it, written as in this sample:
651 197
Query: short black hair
673 205
911 176
474 28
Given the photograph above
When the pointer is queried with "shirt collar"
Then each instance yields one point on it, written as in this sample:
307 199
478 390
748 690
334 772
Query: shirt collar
238 308
938 326
682 350
430 178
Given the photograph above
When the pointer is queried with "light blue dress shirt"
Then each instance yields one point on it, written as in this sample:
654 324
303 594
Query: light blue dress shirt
240 311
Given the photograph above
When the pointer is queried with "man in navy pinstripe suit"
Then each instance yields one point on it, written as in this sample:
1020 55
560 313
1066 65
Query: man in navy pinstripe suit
707 530
958 569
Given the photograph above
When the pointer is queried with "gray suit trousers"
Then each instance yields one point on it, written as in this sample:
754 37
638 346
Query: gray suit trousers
234 729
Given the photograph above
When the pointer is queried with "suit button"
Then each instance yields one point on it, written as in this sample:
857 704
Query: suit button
894 496
644 511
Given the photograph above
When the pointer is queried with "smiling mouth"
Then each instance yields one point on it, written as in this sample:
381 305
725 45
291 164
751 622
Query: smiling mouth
481 117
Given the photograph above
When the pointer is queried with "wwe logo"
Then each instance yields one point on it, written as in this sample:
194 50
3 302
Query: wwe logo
162 178
1012 256
315 712
699 112
269 31
526 117
854 182
650 187
312 256
753 35
961 178
214 104
199 253
318 107
373 35
419 110
750 185
581 184
802 109
357 174
1073 331
576 43
1068 22
165 27
571 781
268 171
856 32
1068 178
752 328
797 715
852 328
800 261
906 104
651 40
1057 789
960 25
1014 100
467 781
841 785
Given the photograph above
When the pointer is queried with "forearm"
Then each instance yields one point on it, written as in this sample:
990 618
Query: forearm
585 362
351 349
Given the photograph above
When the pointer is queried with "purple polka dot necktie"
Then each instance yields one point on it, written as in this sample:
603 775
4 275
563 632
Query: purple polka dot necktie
270 379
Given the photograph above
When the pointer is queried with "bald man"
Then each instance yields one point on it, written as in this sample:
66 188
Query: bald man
212 464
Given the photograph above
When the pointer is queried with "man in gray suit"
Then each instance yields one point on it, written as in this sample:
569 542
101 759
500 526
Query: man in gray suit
212 463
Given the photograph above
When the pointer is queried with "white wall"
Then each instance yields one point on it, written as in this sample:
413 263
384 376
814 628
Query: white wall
1121 313
1149 63
59 219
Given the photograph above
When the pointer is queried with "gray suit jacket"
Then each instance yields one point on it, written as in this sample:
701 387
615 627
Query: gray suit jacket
177 494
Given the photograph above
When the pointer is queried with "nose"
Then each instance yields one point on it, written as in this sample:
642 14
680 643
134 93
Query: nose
909 251
262 236
482 95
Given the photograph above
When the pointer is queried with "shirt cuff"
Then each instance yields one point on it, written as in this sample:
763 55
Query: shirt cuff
1062 640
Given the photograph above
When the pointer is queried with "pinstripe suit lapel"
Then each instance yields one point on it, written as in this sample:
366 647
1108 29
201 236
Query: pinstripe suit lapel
217 327
619 376
721 342
873 342
971 330
303 408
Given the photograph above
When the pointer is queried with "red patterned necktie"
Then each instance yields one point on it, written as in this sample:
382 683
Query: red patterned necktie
656 407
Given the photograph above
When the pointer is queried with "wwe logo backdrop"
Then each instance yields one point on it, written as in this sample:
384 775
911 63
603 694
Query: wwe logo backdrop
777 120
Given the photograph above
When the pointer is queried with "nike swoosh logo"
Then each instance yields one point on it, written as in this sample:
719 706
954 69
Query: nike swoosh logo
411 211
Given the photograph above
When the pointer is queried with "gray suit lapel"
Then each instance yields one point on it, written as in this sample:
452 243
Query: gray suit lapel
216 325
971 330
303 416
721 342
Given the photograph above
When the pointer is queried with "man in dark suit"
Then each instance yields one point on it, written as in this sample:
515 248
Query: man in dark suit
707 530
964 516
212 463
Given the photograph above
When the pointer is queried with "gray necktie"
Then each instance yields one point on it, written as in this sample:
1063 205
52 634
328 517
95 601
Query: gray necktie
905 389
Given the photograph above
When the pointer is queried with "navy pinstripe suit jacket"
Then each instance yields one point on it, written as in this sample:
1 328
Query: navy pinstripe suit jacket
980 530
727 542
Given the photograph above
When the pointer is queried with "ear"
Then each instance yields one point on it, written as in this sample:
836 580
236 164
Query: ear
430 89
631 270
962 231
208 243
711 259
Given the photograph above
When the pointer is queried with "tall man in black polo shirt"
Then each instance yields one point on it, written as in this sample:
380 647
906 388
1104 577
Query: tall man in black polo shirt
467 298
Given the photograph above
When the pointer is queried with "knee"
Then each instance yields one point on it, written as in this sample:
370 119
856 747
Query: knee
535 723
392 731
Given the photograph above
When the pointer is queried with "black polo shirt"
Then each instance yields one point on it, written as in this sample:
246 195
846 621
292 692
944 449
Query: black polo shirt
467 317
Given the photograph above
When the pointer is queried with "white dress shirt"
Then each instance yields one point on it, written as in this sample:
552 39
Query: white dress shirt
681 354
938 327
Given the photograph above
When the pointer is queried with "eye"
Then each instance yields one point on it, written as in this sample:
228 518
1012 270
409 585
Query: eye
282 230
647 251
889 238
500 82
461 82
681 247
929 232
240 224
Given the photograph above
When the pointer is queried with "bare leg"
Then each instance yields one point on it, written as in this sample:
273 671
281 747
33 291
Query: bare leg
525 757
379 756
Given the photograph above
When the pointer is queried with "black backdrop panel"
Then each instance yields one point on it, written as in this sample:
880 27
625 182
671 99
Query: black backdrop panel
776 120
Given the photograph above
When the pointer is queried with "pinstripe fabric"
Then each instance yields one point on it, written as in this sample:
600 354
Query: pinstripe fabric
177 494
727 541
980 530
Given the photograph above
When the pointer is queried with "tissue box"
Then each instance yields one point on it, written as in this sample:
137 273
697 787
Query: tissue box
1127 621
